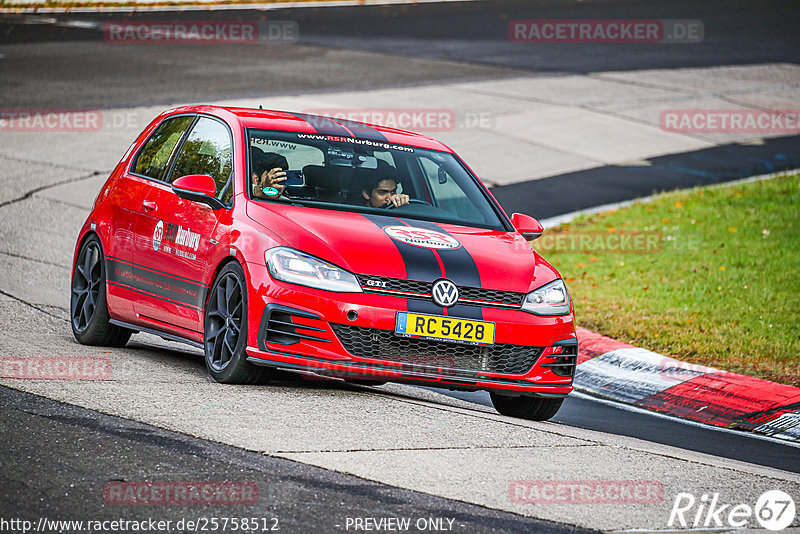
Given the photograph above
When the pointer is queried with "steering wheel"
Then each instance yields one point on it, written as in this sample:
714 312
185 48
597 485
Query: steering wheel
410 201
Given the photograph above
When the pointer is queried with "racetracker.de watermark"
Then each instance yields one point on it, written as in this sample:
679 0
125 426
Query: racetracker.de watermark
619 242
586 492
600 31
50 120
416 119
55 367
679 371
39 120
201 32
426 364
180 493
730 121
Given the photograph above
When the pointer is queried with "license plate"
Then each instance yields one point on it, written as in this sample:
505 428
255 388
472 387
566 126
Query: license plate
444 328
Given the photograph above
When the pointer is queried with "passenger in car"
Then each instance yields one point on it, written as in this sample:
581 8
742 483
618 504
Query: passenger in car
268 172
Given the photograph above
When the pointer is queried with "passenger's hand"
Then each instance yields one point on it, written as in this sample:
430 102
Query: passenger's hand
273 178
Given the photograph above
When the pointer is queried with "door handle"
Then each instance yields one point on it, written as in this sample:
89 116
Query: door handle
149 205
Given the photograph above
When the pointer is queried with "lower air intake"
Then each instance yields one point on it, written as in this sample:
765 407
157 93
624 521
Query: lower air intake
280 324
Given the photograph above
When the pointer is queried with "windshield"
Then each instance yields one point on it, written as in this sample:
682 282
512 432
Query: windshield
350 174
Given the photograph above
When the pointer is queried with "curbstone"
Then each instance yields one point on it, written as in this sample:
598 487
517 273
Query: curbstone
631 375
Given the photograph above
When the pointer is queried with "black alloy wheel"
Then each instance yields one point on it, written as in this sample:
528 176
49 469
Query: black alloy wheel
225 336
88 309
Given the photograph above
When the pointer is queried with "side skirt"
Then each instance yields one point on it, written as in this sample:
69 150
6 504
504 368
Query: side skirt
162 335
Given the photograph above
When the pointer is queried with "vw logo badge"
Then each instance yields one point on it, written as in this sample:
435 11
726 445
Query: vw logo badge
445 293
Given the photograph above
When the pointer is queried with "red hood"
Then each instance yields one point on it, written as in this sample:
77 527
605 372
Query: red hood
359 243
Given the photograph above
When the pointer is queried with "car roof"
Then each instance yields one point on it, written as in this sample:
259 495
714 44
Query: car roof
265 119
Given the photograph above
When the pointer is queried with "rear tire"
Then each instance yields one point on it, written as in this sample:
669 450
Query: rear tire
88 309
532 408
225 331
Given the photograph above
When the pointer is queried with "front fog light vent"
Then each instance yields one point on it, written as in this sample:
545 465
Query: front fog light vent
279 325
565 356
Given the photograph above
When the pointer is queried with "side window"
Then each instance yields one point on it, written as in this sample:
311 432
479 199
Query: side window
152 160
208 150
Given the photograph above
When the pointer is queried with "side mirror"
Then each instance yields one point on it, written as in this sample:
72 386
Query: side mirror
198 188
529 227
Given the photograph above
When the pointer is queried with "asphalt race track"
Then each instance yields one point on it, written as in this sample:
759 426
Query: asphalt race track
323 453
302 498
360 48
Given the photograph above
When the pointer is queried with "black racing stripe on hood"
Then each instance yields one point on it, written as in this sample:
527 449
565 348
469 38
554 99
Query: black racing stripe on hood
324 125
420 264
459 266
362 131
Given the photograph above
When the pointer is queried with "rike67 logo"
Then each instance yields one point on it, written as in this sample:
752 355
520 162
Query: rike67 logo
774 510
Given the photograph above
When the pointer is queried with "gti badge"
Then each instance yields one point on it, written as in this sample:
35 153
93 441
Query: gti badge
445 293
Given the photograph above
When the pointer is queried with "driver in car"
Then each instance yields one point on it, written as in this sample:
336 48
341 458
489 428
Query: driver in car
381 192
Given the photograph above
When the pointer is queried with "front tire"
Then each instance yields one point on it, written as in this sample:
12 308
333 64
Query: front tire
225 336
88 309
532 408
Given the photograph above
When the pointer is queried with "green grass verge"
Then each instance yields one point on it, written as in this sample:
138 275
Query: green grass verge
710 276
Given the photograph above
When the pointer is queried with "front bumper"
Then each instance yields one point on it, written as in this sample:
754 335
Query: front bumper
351 336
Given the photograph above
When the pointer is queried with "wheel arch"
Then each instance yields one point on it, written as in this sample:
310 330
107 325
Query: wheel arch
218 269
82 239
101 229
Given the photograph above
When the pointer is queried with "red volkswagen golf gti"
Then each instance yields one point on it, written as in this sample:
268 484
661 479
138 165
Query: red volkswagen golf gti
277 240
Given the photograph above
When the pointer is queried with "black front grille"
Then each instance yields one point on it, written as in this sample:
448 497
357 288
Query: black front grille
423 355
491 295
394 284
494 296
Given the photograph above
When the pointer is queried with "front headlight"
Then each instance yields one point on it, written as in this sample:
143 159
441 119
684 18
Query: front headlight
293 266
550 299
